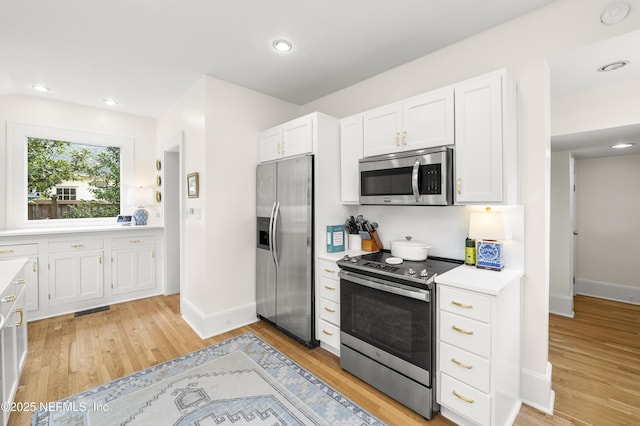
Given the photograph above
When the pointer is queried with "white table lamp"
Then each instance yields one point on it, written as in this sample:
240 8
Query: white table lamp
489 229
141 197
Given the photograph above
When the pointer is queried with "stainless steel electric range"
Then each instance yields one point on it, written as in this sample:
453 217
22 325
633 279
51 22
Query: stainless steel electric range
387 325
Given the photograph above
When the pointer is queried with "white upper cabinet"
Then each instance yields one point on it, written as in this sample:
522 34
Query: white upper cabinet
486 140
291 138
350 154
420 122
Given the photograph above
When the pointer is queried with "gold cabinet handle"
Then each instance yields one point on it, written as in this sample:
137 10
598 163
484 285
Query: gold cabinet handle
459 330
331 271
404 138
77 245
100 260
7 299
461 305
6 251
330 288
19 310
21 281
463 398
329 310
459 186
461 364
35 266
328 333
397 138
134 241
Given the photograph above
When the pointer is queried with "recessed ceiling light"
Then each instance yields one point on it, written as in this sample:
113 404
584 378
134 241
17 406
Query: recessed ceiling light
40 88
282 45
110 102
613 66
622 145
615 13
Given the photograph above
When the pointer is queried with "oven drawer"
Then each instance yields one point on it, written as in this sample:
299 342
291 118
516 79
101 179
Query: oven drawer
328 269
329 333
329 289
465 333
468 304
330 311
466 367
467 401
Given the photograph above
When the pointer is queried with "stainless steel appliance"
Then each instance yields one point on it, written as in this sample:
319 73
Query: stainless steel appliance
420 177
387 325
284 246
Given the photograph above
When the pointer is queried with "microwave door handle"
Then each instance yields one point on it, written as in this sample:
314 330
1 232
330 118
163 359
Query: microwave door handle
274 235
414 180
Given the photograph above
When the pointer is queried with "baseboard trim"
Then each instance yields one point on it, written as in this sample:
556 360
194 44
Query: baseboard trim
536 390
561 305
208 325
609 291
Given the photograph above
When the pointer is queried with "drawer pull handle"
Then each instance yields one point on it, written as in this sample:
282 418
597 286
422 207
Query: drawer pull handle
460 330
19 310
328 333
6 251
329 288
21 281
331 271
459 186
329 310
461 364
7 299
461 305
134 241
77 245
465 399
35 267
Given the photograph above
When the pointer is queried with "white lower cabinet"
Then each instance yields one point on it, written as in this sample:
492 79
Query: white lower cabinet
478 346
328 304
76 271
30 251
133 264
13 329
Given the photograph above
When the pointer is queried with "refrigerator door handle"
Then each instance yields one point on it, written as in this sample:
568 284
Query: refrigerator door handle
274 237
271 232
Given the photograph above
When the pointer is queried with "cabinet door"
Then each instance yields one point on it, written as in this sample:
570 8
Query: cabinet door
297 136
133 270
75 276
270 144
350 153
427 120
382 128
478 155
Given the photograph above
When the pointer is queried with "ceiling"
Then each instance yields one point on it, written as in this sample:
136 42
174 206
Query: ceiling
575 71
146 53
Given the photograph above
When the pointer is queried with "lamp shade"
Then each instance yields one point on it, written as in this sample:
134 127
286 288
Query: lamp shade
488 226
140 196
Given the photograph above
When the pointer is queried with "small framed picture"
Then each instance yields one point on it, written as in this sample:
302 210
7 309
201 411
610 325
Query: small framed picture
192 185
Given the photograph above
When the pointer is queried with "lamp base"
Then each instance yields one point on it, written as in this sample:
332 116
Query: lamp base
141 216
489 255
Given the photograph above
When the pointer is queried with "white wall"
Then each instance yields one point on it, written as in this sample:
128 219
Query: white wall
43 112
608 203
521 45
221 122
561 259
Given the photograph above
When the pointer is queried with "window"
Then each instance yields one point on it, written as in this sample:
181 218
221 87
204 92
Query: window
62 177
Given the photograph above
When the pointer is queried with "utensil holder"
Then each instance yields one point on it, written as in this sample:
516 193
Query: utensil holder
355 243
372 244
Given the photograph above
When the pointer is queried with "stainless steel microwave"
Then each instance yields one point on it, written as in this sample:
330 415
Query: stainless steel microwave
422 177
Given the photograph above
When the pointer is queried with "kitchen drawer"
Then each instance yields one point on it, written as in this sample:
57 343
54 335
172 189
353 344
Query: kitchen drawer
467 401
471 305
329 289
330 311
18 250
328 269
465 333
466 367
75 245
132 242
329 333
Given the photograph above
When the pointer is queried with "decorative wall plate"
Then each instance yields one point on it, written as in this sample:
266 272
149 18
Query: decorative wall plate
158 196
158 165
158 180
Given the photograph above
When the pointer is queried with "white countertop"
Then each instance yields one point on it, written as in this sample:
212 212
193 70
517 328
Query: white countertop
8 271
481 280
73 230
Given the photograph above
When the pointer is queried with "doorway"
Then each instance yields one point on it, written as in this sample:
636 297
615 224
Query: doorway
173 223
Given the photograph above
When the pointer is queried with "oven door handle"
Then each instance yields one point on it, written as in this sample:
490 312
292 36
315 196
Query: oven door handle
386 286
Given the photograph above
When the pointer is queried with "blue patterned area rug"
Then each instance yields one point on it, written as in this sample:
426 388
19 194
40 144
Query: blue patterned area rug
242 381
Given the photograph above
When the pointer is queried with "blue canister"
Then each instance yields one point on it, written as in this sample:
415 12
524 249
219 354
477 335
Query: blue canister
335 238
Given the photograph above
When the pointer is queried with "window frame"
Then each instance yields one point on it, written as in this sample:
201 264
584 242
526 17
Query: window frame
17 137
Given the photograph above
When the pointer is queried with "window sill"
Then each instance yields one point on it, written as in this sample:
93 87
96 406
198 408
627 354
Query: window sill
76 230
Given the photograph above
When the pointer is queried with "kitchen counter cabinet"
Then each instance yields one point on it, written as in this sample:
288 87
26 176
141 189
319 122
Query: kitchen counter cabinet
133 264
294 137
478 345
15 251
13 329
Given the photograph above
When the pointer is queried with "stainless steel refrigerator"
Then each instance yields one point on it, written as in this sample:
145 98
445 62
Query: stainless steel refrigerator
284 249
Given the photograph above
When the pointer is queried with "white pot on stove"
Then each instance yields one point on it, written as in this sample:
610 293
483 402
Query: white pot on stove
409 249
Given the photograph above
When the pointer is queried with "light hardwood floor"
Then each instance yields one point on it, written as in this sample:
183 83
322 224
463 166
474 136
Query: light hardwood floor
595 357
